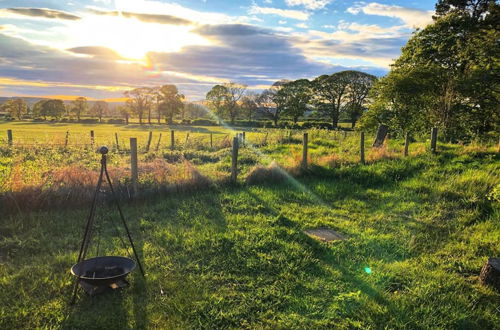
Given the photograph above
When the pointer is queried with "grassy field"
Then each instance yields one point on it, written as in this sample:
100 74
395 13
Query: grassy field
418 231
39 163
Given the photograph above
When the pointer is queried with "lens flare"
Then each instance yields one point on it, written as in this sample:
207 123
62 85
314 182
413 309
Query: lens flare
368 270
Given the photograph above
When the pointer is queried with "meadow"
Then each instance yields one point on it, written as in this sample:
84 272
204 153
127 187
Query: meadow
42 163
218 255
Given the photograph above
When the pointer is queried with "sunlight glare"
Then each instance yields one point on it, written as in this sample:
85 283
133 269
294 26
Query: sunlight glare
131 38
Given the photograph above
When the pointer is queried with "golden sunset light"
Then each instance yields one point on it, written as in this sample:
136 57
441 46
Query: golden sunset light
132 38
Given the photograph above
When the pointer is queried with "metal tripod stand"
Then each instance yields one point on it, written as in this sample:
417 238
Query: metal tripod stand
90 220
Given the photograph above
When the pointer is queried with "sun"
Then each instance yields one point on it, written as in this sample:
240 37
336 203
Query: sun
131 38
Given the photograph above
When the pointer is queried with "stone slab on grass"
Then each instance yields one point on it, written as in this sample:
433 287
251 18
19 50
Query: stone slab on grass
324 234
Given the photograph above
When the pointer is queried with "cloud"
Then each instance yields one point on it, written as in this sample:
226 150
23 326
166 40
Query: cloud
97 51
410 16
147 18
239 52
288 13
309 4
246 54
39 12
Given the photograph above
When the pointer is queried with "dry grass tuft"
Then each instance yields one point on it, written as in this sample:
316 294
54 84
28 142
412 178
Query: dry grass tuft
332 161
262 174
376 154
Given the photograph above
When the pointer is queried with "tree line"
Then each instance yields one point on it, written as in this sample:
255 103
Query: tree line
326 96
55 108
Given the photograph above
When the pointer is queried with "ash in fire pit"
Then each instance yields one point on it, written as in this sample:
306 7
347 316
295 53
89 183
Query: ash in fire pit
104 272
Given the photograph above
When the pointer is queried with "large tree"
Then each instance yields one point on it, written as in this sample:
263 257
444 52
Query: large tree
15 107
216 101
99 109
79 107
460 53
223 99
248 105
139 101
330 94
359 86
296 96
398 101
171 102
272 103
49 108
125 111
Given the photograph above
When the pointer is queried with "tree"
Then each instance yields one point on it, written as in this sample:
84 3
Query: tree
37 109
216 100
223 99
399 101
171 102
296 96
79 106
139 101
234 94
125 112
460 52
99 109
360 84
156 96
272 103
248 105
194 110
15 107
330 94
53 108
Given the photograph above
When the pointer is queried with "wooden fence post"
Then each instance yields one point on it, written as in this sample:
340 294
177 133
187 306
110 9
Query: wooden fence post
66 140
117 143
172 140
362 147
434 133
304 151
407 144
133 164
187 139
158 144
149 141
234 161
243 138
265 138
10 139
92 138
211 140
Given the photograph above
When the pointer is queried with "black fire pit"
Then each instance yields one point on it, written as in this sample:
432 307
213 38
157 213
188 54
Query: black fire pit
103 270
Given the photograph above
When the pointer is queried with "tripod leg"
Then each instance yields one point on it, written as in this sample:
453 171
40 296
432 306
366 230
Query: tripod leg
115 198
83 247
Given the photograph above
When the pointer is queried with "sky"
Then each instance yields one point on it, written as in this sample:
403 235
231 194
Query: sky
101 48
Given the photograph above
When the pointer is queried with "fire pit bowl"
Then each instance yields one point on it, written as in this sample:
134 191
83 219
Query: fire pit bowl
103 270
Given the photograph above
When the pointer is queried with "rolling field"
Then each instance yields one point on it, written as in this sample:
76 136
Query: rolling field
418 229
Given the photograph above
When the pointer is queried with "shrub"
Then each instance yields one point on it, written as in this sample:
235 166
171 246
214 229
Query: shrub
89 121
262 174
116 121
203 122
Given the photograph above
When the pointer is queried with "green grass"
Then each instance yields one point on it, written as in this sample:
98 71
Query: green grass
38 154
237 257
